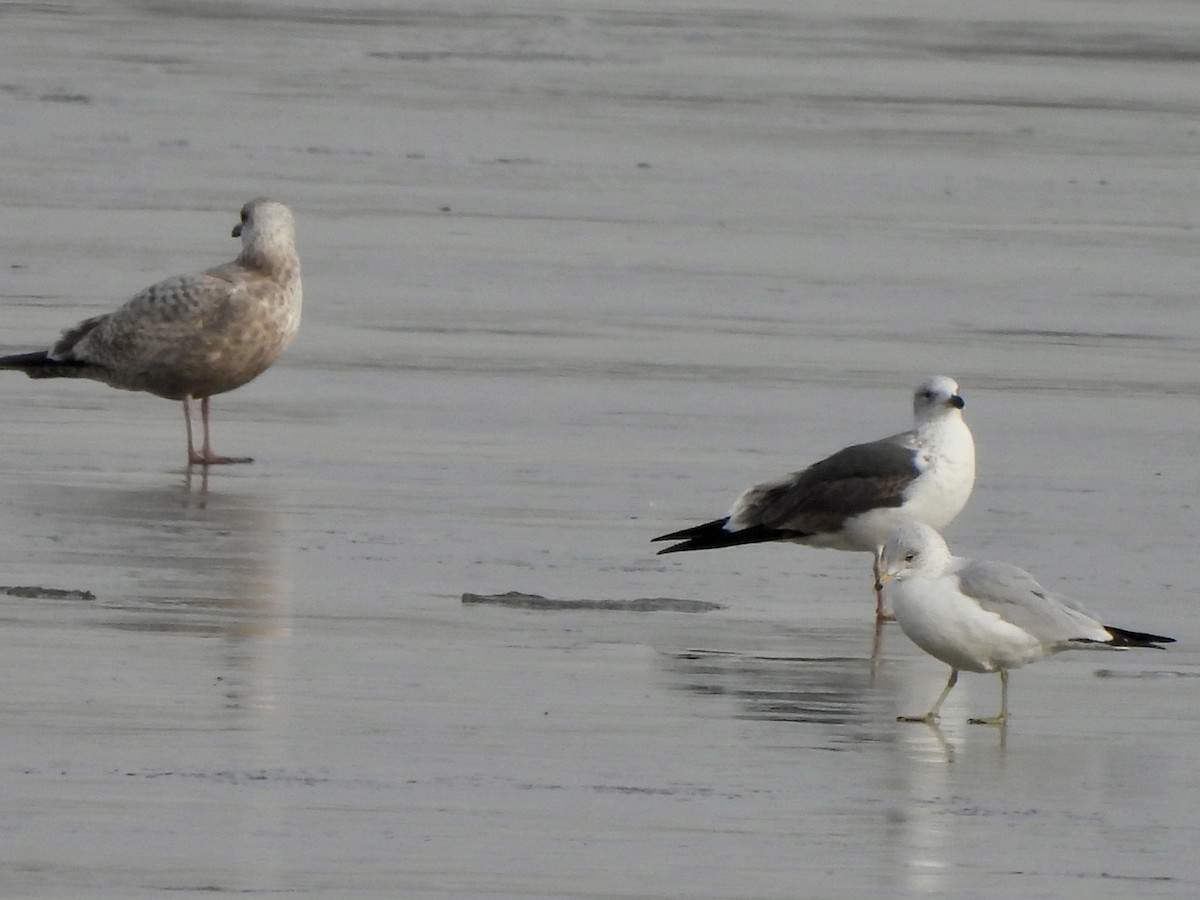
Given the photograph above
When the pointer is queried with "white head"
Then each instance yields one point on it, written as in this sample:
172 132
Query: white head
913 550
936 396
268 234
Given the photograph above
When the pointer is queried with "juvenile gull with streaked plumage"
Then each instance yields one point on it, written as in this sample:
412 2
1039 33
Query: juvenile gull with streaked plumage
983 616
853 499
193 336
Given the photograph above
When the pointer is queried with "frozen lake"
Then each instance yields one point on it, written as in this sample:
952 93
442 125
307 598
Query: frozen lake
575 275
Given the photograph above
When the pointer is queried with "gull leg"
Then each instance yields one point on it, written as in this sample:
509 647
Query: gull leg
202 502
877 650
932 716
881 613
187 420
1003 717
206 457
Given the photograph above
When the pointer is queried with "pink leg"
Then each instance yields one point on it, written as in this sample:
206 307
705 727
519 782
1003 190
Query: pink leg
187 420
205 457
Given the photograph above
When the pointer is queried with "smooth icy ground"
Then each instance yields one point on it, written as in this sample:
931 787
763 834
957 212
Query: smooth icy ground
576 274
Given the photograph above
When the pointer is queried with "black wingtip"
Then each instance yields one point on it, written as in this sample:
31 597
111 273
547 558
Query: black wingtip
713 536
708 536
40 364
675 548
683 534
26 360
1124 638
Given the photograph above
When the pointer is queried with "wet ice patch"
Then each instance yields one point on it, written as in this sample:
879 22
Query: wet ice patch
520 600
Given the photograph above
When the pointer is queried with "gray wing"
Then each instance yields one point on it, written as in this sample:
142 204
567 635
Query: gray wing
155 324
1015 596
819 499
192 335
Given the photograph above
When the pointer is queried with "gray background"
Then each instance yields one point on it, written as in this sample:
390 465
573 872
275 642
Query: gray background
575 275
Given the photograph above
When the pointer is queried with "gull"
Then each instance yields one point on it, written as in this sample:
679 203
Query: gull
193 336
853 499
983 616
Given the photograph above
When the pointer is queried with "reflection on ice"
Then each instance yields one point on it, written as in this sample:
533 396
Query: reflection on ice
170 558
837 687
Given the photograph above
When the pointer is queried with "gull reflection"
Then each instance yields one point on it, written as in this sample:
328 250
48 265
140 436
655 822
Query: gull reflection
170 562
173 559
830 679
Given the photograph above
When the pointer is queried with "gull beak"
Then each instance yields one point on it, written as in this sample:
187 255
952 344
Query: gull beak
957 402
884 578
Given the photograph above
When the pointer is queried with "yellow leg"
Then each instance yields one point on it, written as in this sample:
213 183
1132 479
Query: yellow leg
932 716
1003 717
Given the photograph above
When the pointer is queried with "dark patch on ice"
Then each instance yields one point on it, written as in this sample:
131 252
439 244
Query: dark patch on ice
37 592
62 96
641 604
1070 338
476 56
1145 673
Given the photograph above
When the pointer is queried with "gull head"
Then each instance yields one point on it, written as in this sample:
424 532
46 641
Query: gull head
914 550
935 396
268 234
262 216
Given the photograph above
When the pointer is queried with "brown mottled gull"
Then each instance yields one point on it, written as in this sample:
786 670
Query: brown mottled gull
193 336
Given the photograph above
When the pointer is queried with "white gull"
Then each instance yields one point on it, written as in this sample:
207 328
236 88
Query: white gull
982 616
853 499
